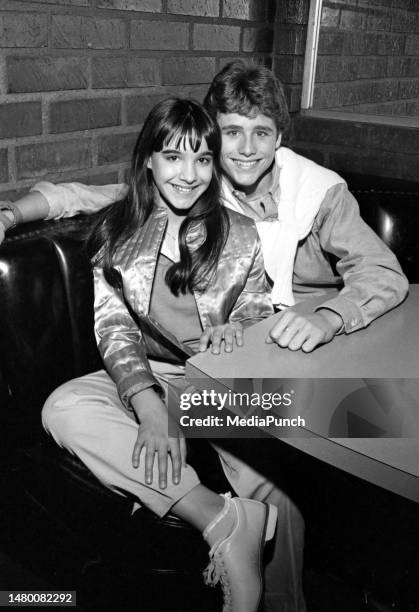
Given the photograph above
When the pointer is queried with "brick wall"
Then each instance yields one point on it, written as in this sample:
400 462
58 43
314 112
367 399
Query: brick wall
368 57
289 47
357 147
348 63
77 77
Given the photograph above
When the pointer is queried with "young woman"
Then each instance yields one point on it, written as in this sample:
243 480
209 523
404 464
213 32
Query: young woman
174 272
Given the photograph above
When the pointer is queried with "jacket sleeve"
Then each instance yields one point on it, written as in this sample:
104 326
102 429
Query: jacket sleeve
120 341
373 279
69 199
254 303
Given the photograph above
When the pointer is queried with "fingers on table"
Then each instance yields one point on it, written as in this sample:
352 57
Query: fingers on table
295 332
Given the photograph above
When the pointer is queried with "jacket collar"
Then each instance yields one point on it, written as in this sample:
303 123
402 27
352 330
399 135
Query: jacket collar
196 234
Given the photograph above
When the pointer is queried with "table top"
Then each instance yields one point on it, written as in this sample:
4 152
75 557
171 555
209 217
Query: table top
360 393
387 348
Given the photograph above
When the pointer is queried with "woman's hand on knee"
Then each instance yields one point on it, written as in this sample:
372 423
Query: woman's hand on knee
155 425
214 335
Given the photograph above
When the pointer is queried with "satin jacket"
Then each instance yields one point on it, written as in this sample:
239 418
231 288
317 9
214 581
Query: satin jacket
236 292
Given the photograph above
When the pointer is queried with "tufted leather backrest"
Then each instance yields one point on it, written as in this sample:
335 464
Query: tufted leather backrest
394 216
46 315
391 207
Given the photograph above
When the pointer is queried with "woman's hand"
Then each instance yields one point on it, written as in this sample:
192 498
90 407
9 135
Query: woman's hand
155 423
215 334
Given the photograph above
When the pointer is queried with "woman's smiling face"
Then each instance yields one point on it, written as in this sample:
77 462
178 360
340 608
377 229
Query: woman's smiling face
181 174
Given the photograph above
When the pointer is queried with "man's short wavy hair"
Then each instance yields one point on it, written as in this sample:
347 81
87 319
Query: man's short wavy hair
248 89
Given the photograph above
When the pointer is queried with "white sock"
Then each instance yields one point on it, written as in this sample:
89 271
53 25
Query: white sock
222 525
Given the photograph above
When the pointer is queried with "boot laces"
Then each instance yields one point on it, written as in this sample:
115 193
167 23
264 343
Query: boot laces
216 572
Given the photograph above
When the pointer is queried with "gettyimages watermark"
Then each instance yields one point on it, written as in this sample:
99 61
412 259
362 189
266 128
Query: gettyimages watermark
242 410
332 408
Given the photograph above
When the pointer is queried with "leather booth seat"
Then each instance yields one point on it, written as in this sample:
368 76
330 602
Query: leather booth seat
46 338
394 216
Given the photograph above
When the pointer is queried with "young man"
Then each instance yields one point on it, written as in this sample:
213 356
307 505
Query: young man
314 240
307 219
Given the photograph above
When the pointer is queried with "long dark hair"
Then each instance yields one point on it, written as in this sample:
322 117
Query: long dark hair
180 122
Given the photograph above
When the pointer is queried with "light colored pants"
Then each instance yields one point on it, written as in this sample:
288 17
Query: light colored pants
86 417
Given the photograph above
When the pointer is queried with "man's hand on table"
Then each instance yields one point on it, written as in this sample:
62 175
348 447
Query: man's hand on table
305 332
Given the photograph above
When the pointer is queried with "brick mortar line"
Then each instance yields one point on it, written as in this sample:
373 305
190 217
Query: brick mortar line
11 163
91 171
85 11
336 148
89 75
3 76
79 52
370 10
94 148
288 55
124 110
373 80
367 9
86 94
26 99
121 173
45 116
61 137
112 15
369 56
57 96
372 105
56 53
343 31
415 99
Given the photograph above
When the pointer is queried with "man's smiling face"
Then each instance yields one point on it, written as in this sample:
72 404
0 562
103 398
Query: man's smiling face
248 148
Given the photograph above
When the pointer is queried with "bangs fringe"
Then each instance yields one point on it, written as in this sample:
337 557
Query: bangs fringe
182 138
187 134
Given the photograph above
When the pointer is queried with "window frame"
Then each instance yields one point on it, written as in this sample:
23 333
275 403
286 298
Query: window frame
309 76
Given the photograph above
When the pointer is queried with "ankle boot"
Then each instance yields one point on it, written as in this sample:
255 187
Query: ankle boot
236 557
